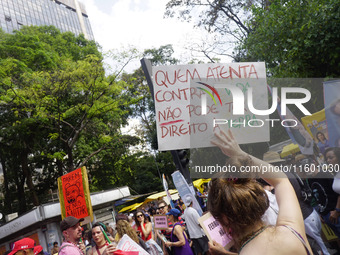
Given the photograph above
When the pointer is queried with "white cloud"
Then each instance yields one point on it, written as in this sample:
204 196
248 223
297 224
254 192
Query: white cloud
137 23
119 24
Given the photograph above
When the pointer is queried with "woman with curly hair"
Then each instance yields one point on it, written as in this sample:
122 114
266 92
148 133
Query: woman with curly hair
123 227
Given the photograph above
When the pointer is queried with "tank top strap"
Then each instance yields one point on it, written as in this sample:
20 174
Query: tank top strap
297 234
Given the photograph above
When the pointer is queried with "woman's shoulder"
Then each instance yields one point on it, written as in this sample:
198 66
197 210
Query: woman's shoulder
90 251
275 240
178 227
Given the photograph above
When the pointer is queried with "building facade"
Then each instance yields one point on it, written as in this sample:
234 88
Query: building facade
66 15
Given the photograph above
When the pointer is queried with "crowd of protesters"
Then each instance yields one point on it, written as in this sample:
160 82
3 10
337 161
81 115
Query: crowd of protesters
101 239
268 214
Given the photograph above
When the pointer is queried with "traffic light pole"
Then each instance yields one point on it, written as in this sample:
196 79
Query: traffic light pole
179 157
181 162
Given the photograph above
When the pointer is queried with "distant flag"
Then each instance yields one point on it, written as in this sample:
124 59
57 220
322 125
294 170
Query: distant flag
165 185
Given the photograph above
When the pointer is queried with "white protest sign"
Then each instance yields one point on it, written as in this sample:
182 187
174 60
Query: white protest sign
127 244
184 190
189 98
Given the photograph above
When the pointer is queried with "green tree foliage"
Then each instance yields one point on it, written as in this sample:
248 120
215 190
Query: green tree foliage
144 109
296 38
144 167
58 111
227 23
221 16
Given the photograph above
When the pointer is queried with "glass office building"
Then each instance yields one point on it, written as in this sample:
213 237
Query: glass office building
66 15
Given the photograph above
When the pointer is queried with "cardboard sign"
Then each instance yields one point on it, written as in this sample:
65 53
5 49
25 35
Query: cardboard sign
316 125
160 221
74 195
215 231
189 98
127 244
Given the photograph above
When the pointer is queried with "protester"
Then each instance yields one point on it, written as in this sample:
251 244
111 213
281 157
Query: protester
55 248
123 227
162 207
87 238
144 226
239 203
152 209
270 215
100 240
326 203
26 245
38 250
196 233
200 199
179 242
332 157
163 210
132 221
310 216
322 142
177 205
72 232
181 204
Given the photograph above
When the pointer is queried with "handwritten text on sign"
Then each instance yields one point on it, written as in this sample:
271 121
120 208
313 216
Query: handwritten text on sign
214 230
179 91
127 244
161 221
73 193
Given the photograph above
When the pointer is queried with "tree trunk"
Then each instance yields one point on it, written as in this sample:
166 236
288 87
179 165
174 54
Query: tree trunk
8 200
70 164
60 167
21 192
27 173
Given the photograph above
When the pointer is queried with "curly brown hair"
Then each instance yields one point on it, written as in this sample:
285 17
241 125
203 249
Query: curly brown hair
237 203
124 227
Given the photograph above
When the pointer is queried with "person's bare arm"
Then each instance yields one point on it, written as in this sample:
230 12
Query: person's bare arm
178 231
147 229
289 208
334 215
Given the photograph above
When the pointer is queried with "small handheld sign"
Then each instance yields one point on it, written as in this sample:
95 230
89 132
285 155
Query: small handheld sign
161 221
215 231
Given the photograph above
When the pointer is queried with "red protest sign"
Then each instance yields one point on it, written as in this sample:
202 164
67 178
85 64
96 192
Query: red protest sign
74 194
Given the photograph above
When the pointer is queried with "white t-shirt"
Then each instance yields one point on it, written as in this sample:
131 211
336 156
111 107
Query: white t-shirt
270 216
191 220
